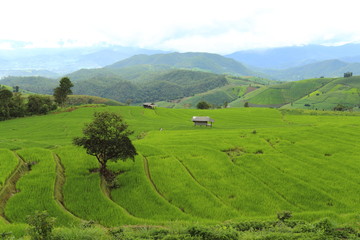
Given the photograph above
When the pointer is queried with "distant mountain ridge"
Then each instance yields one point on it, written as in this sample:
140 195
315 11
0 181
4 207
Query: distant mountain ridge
63 60
327 68
288 57
202 61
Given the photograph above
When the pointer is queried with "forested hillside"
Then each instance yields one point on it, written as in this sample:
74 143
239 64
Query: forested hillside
163 86
33 84
328 68
202 61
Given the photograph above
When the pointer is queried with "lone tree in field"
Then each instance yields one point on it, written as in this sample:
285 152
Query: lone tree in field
107 138
62 91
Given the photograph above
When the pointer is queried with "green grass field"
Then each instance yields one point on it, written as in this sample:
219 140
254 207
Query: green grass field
252 164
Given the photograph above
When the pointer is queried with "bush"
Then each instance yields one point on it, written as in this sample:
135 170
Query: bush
203 105
282 216
94 233
41 226
221 233
39 105
253 226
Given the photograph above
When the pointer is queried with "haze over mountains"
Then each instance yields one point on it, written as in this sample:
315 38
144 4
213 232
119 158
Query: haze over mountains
183 79
289 57
286 63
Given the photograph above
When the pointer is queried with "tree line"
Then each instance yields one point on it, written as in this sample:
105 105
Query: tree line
14 105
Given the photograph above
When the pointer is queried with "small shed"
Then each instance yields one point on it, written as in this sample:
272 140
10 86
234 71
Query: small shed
202 121
149 105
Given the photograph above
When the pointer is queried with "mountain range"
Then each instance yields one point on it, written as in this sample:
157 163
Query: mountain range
55 62
283 63
183 79
295 56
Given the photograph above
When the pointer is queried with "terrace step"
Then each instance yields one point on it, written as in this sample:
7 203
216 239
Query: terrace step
9 188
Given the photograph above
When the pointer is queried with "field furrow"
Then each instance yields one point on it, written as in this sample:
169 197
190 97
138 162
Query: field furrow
296 164
232 184
181 190
82 192
140 196
59 184
192 175
300 193
8 187
8 163
36 189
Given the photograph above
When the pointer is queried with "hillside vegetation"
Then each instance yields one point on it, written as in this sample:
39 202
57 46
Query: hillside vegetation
34 84
201 61
328 68
169 85
319 93
146 78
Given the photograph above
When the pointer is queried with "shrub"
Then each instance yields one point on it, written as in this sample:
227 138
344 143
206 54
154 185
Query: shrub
203 105
94 233
41 226
205 233
282 216
159 233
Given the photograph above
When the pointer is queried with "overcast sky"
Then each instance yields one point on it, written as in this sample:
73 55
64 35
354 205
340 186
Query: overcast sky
218 26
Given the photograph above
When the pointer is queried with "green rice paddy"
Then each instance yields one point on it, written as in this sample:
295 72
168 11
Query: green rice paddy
252 164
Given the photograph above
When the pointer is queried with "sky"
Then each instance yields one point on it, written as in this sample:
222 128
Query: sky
218 26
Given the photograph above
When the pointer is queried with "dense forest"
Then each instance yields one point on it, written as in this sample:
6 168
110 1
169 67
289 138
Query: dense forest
171 85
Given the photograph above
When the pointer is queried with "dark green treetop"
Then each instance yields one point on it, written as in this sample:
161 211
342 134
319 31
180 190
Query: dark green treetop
107 138
63 90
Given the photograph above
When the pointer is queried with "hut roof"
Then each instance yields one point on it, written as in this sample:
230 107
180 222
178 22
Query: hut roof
202 119
149 104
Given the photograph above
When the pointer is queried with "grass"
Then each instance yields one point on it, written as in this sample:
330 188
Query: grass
251 164
216 97
135 182
36 189
82 192
7 165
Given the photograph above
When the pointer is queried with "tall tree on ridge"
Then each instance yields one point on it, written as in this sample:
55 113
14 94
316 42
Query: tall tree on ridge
61 93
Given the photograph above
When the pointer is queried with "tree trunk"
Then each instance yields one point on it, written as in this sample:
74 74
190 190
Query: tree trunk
103 169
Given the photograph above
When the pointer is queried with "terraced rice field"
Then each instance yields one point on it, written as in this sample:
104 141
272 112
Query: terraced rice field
252 164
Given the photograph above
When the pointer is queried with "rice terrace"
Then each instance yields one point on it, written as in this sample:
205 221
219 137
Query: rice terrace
252 164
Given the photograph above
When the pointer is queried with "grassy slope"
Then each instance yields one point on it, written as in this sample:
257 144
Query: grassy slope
7 164
320 93
236 88
226 172
345 91
36 190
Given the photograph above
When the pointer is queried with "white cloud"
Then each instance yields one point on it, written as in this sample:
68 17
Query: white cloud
217 26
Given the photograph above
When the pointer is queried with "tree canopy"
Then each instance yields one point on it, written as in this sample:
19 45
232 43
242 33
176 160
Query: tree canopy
107 138
63 90
203 105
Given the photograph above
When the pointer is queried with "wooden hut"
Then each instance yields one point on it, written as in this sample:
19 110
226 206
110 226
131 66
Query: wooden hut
149 105
202 121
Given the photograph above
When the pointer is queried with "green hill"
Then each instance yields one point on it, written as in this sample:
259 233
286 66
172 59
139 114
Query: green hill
252 164
161 86
148 78
319 93
218 97
343 91
40 85
200 61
